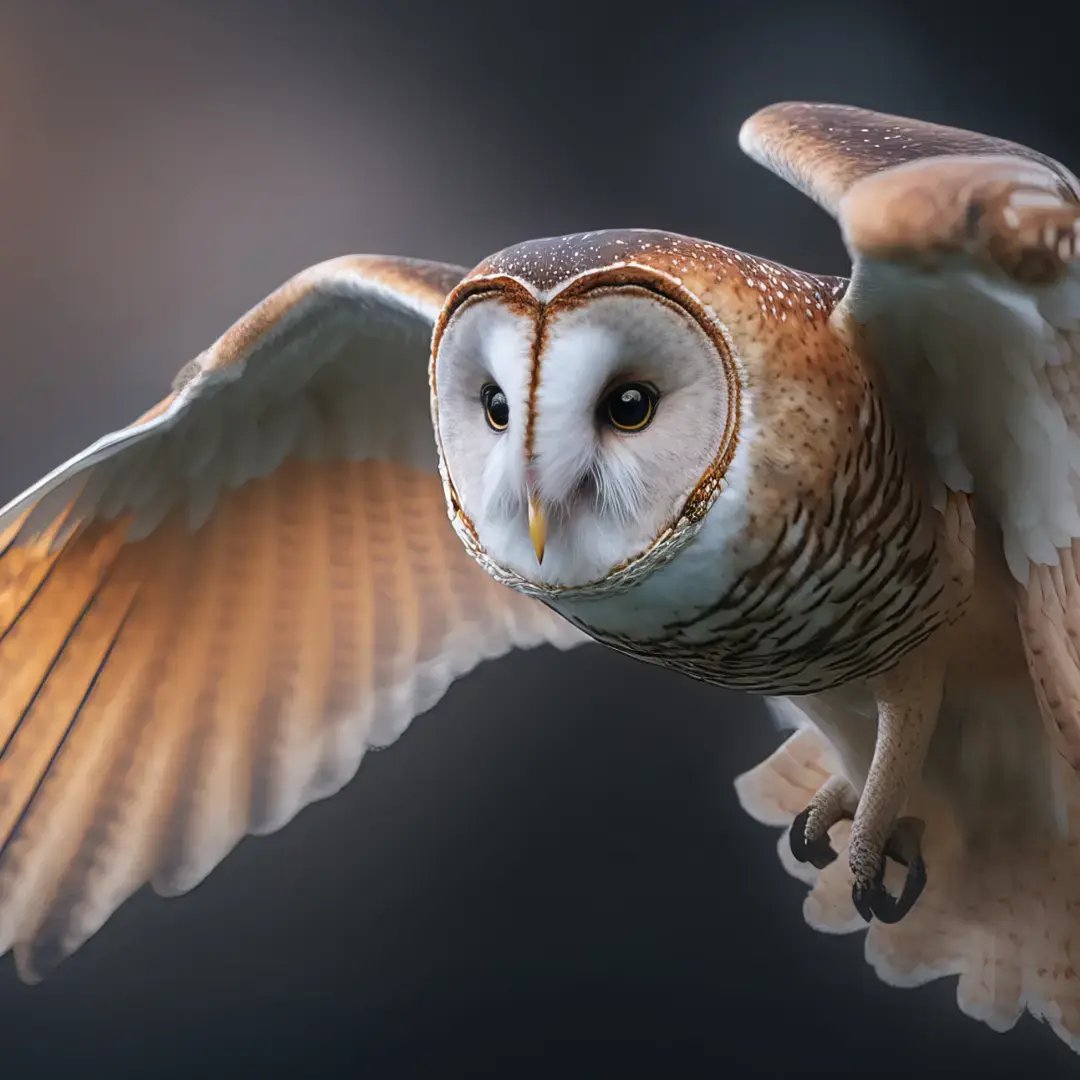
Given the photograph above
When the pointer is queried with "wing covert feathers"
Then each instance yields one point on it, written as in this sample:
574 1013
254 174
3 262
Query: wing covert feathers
207 619
1006 215
823 149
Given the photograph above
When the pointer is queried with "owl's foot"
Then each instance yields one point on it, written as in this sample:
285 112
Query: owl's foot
908 699
868 865
835 800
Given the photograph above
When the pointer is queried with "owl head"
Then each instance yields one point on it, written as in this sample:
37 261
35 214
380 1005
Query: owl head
589 395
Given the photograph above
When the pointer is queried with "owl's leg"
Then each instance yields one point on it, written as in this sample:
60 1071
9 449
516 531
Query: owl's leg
835 800
909 697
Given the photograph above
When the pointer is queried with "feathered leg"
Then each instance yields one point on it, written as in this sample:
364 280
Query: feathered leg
909 699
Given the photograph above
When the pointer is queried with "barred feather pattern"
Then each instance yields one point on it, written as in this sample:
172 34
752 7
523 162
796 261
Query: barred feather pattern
846 586
161 698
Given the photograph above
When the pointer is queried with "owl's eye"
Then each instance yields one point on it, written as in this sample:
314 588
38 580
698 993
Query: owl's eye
496 407
630 406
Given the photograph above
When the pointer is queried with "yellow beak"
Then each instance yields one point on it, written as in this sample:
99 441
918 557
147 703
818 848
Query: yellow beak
537 527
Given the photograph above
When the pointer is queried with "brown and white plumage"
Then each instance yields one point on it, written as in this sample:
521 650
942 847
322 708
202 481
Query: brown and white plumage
207 619
966 296
859 498
967 287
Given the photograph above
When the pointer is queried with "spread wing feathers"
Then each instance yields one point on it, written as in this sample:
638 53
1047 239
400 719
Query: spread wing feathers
207 618
966 288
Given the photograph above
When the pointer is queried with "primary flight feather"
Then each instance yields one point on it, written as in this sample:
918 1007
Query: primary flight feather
858 498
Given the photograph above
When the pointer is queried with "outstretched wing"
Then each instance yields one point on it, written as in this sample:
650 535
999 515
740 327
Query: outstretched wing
966 286
207 617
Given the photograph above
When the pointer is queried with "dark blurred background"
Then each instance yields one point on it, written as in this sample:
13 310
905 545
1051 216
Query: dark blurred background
549 874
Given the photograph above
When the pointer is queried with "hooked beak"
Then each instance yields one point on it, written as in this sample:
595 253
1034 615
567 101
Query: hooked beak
537 527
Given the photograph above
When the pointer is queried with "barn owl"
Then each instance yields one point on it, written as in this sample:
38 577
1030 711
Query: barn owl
857 498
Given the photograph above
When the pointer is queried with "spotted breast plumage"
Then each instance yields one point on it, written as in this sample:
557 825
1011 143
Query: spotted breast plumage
859 498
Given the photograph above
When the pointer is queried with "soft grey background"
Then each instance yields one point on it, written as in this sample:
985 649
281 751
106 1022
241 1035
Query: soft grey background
549 874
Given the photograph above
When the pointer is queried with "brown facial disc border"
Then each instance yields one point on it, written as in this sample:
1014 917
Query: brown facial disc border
518 296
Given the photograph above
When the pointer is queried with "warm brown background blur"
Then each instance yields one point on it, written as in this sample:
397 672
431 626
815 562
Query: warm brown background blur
548 875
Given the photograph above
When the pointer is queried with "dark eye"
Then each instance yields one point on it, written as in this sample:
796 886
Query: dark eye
630 406
496 407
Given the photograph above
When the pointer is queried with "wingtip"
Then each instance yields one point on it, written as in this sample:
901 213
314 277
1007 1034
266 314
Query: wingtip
752 127
747 134
756 126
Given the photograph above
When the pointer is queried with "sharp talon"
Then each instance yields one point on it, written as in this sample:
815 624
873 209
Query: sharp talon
905 842
797 836
872 900
818 853
914 884
861 899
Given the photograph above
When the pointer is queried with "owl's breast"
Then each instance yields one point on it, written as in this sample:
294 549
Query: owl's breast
829 586
793 624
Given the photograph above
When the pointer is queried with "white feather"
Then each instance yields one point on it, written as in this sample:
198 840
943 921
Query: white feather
608 495
977 363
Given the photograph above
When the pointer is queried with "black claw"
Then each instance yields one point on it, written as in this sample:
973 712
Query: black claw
873 901
862 900
818 853
904 845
